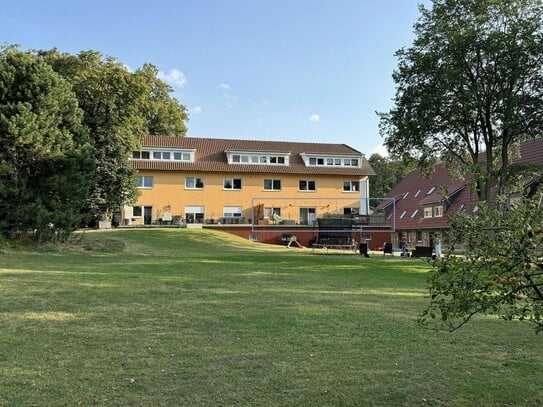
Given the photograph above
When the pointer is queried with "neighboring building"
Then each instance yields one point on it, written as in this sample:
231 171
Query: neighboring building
203 180
423 205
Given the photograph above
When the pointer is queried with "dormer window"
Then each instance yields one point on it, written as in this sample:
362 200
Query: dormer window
328 160
158 154
254 158
141 155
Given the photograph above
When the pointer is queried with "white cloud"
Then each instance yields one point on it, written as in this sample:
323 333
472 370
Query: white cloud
175 77
314 118
225 86
127 67
380 149
196 110
228 105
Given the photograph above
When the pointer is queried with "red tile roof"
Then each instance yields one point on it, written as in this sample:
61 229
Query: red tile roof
457 191
210 156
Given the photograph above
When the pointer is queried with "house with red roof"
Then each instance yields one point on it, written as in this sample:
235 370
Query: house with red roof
420 205
222 181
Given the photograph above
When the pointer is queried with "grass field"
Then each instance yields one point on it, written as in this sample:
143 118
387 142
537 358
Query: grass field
189 317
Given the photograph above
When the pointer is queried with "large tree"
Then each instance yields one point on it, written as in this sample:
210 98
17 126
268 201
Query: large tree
119 107
44 160
470 87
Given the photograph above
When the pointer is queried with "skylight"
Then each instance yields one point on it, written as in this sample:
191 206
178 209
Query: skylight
417 194
405 195
414 213
431 190
403 214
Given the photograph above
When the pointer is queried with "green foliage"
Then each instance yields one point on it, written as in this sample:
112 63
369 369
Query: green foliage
44 157
389 172
163 114
119 108
501 271
470 85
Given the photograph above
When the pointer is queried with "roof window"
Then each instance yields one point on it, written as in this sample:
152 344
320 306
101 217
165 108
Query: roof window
431 190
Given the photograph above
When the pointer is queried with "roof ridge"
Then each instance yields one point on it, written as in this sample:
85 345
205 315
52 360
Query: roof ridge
253 140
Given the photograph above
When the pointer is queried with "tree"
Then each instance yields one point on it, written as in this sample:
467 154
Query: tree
163 114
44 158
501 271
470 87
119 107
388 173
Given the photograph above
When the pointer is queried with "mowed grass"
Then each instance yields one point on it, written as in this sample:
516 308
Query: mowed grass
191 317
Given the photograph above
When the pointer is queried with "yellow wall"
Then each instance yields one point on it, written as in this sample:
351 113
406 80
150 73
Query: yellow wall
169 191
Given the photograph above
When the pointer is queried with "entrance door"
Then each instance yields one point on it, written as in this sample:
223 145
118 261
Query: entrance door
147 215
308 216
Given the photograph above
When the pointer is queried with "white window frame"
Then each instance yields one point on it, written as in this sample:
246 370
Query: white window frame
231 211
351 183
438 211
158 154
195 181
307 189
143 178
232 183
273 181
257 158
330 160
428 212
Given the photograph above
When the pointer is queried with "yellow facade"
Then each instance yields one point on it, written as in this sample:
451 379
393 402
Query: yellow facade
170 198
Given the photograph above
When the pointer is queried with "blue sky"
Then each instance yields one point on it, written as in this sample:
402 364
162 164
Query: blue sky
312 71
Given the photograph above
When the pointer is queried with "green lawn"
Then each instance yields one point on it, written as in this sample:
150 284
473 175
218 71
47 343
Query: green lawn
184 317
